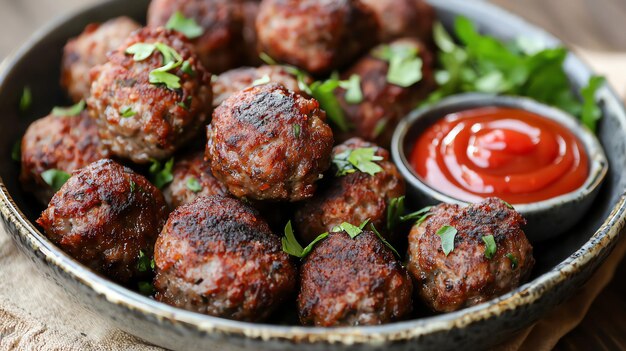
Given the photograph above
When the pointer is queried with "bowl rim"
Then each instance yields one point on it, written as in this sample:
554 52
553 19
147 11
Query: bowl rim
598 163
600 242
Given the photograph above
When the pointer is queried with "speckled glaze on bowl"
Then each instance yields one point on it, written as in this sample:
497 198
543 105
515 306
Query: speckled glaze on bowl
562 266
546 219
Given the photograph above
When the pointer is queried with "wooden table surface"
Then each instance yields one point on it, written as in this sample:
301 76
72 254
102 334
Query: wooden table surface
589 24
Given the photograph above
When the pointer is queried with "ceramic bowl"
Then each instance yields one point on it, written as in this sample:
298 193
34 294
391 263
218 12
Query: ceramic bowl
546 219
563 264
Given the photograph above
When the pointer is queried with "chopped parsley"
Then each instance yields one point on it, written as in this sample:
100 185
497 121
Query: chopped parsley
186 103
361 159
405 65
133 186
267 59
171 60
187 68
296 130
71 111
490 246
161 174
187 26
127 112
16 151
481 63
140 51
144 263
263 80
291 245
26 99
395 209
324 93
352 230
513 260
395 252
55 178
194 185
353 95
447 234
145 288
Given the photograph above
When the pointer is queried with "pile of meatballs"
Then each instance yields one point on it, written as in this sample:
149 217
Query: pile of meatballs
254 151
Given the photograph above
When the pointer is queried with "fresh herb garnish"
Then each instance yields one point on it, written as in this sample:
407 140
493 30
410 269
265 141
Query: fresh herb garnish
485 64
296 130
161 174
447 234
267 59
26 99
186 103
405 65
292 246
187 26
127 112
490 246
395 252
507 204
71 111
395 210
352 230
263 80
140 51
144 263
186 68
145 288
16 151
55 178
158 76
418 215
194 185
171 60
353 95
513 260
133 186
380 127
323 92
361 159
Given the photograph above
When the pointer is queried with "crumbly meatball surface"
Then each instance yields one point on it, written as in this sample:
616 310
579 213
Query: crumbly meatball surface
352 198
90 49
241 78
220 46
350 282
64 143
140 120
217 256
103 216
384 104
192 179
466 277
268 143
316 35
403 18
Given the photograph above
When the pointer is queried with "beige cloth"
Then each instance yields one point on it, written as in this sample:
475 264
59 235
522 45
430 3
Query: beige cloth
35 314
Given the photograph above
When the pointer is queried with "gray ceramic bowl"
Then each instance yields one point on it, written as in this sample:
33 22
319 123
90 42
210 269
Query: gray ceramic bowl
546 219
563 264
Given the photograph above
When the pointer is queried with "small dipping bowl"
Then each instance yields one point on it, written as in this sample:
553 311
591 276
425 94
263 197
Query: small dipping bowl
546 218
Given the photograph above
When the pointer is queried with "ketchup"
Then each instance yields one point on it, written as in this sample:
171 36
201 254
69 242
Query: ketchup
513 154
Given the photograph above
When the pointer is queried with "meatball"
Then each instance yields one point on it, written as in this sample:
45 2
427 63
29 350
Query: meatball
220 46
192 179
403 18
469 274
384 104
349 282
316 35
269 143
64 143
88 50
250 11
238 79
140 120
352 198
106 216
217 256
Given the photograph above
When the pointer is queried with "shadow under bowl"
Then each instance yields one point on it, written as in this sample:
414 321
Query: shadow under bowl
547 218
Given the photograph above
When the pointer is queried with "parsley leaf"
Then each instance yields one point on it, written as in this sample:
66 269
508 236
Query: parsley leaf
26 99
296 130
161 175
133 186
170 80
140 51
71 111
144 263
591 112
267 59
16 151
395 252
55 178
447 234
187 26
353 95
490 246
127 112
395 209
263 80
291 246
145 288
513 260
194 185
323 92
361 159
352 230
419 215
186 68
405 65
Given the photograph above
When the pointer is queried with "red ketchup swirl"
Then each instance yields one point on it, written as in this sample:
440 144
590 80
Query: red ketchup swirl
513 154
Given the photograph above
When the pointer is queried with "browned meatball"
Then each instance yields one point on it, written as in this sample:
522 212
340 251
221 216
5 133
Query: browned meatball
64 143
220 46
269 143
352 198
349 282
217 256
403 18
140 120
192 179
316 35
238 79
466 276
384 104
103 216
88 50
